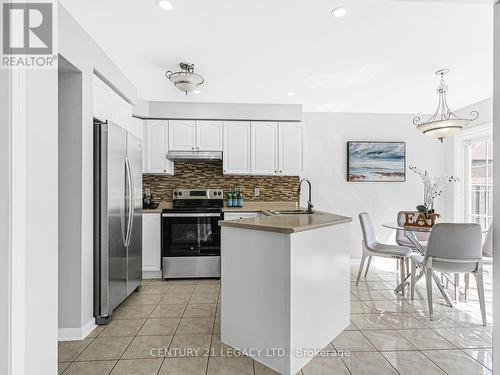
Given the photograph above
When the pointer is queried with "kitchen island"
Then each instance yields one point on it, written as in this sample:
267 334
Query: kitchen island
284 286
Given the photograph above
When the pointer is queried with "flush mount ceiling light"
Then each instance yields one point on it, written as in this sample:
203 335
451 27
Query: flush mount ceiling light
339 12
164 4
186 80
443 123
290 93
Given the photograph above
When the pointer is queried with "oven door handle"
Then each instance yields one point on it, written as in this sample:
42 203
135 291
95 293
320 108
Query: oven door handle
191 215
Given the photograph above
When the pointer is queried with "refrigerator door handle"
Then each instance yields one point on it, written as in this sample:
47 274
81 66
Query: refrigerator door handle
130 201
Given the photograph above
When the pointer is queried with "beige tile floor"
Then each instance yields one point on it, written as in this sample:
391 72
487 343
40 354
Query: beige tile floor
388 334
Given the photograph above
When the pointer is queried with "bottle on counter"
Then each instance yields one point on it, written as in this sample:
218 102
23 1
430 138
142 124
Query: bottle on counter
235 197
240 198
230 198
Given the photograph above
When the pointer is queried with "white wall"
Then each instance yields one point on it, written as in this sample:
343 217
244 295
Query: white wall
325 165
219 111
70 186
4 220
78 48
496 194
28 218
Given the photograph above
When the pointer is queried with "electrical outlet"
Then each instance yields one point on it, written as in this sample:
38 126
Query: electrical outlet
257 192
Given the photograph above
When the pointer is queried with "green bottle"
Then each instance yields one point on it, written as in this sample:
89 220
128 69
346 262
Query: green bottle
230 198
240 198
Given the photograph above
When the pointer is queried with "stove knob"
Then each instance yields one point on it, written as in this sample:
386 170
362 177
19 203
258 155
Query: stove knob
175 193
180 192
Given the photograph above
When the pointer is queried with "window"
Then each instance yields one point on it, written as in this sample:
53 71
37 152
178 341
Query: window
479 180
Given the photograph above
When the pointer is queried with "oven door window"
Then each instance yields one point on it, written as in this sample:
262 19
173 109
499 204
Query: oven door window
184 236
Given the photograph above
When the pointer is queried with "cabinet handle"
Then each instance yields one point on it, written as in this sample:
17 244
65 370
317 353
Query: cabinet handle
275 171
281 171
192 148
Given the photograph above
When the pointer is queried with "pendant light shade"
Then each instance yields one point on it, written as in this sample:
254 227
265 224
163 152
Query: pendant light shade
443 123
186 80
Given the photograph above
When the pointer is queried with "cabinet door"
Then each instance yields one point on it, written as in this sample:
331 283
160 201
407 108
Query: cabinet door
209 135
151 242
181 135
291 153
156 147
264 151
236 155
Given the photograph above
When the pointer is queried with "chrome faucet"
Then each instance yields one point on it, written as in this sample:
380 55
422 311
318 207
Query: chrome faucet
309 203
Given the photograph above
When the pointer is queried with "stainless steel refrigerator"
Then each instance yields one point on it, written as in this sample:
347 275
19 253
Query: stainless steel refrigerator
117 217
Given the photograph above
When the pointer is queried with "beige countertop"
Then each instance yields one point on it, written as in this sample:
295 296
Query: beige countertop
287 223
250 206
270 222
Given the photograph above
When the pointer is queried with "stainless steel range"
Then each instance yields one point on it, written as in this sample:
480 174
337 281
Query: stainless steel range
190 234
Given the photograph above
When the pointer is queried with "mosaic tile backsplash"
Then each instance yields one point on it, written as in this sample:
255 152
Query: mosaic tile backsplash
208 174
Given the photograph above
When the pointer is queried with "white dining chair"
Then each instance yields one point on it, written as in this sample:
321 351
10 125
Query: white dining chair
401 238
487 250
452 248
371 247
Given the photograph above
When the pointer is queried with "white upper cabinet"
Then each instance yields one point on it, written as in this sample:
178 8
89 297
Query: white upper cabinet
156 147
264 151
236 156
290 150
182 135
208 135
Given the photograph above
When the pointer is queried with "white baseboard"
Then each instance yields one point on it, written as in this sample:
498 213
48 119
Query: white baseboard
73 334
151 274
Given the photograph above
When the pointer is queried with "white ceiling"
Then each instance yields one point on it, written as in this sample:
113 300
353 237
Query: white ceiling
380 58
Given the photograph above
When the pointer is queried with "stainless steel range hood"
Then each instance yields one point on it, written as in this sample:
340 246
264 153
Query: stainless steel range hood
194 155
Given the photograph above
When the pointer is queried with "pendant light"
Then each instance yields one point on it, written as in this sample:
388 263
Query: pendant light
443 123
186 79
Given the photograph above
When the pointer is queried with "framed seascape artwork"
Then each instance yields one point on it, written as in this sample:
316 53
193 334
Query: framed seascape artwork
376 161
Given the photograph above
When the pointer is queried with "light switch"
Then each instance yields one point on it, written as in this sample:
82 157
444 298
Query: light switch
257 192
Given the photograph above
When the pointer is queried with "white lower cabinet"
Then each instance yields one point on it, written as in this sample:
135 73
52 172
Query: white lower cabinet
151 245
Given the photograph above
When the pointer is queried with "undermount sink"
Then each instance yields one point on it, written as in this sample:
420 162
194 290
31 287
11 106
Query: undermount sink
290 212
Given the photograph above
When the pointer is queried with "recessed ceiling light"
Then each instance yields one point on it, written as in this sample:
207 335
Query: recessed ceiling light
290 93
339 12
197 92
165 4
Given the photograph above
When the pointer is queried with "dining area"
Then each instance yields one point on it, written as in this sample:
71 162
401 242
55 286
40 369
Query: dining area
438 253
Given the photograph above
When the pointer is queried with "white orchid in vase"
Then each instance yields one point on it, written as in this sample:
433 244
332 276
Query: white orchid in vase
433 187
